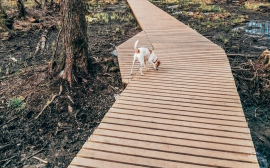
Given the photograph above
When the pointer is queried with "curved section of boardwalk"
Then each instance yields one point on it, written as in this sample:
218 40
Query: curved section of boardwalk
187 114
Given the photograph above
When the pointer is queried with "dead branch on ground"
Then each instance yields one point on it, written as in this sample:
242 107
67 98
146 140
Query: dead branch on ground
55 96
41 44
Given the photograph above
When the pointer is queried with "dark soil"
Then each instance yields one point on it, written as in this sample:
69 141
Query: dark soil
64 126
241 48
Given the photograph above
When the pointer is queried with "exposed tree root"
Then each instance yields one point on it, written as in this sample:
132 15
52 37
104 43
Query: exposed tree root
60 92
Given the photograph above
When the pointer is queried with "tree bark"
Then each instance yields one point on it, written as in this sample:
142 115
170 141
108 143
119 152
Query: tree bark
75 44
2 12
38 3
3 17
21 8
44 3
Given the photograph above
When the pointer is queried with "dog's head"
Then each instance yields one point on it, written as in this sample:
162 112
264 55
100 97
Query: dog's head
157 63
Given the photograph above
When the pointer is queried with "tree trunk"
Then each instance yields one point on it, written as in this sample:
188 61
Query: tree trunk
2 12
75 45
38 3
21 8
3 15
44 3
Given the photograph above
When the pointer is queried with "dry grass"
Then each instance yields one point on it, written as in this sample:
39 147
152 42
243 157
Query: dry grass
254 5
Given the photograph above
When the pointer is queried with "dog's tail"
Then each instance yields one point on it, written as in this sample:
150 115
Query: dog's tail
135 45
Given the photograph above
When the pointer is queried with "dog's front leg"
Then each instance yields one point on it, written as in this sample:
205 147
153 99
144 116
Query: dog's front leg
153 65
134 60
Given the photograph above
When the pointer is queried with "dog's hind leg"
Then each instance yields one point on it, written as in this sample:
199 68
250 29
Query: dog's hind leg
146 66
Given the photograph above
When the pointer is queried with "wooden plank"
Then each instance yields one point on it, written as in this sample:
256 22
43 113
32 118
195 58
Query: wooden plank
177 135
146 122
186 88
92 162
180 107
185 95
173 148
194 103
156 158
225 125
182 142
199 114
179 99
128 160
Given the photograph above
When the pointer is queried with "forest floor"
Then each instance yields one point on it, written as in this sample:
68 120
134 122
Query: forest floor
60 131
243 31
26 88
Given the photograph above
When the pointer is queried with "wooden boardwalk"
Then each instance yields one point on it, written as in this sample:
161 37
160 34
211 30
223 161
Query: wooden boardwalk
187 114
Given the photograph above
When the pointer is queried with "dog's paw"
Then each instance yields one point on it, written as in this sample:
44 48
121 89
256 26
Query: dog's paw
142 74
157 69
131 74
148 69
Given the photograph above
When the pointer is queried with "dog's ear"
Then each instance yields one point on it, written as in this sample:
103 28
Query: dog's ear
157 63
150 51
138 51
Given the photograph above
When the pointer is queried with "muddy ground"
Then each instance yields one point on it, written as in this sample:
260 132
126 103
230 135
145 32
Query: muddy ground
244 35
26 87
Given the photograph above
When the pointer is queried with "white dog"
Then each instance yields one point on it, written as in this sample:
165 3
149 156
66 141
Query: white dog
143 54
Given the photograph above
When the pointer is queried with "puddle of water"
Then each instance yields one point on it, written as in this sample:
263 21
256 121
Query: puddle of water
177 13
172 7
256 28
262 160
181 12
89 18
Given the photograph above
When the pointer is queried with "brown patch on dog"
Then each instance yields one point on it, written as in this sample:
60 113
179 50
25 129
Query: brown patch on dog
157 63
150 51
138 51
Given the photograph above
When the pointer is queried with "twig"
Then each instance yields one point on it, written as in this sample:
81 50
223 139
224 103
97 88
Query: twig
32 154
75 116
261 119
43 161
70 99
251 64
251 79
235 55
74 78
107 74
10 121
60 92
6 163
56 131
7 159
256 111
37 152
113 87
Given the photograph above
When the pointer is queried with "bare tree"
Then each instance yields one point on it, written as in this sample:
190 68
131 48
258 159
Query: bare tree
5 22
2 12
44 3
75 43
21 8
